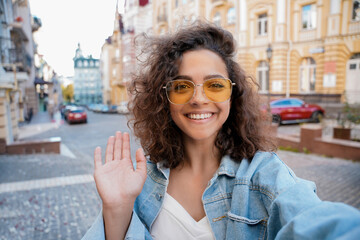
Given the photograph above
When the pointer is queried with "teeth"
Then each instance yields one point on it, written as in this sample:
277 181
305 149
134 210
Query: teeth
199 116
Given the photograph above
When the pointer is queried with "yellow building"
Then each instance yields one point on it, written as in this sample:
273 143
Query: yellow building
114 88
314 44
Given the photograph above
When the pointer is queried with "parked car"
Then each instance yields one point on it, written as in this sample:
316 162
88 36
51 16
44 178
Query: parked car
293 110
64 110
76 115
123 108
97 107
108 109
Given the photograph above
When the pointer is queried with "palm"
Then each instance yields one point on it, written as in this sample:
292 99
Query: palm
117 182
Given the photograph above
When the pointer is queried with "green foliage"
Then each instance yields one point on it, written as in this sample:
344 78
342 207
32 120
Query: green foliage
349 116
288 148
306 151
68 92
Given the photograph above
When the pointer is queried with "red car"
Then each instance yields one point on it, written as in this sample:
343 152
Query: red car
75 115
293 110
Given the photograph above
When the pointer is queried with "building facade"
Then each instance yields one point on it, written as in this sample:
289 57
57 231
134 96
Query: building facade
314 44
87 79
119 53
17 71
114 86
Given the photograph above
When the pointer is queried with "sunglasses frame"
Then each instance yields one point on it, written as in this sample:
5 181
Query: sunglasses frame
195 85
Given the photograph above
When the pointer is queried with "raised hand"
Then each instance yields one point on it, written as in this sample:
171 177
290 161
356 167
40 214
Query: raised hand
116 180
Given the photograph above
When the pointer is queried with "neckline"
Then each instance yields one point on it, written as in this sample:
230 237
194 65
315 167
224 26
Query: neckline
185 213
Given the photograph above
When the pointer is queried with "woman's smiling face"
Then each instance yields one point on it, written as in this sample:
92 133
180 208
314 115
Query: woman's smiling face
200 118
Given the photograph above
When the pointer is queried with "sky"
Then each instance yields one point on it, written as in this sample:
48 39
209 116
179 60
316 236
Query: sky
65 23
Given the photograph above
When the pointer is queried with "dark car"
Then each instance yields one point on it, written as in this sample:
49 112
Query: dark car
76 115
293 110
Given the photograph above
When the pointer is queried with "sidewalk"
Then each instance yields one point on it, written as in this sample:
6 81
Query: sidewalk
40 122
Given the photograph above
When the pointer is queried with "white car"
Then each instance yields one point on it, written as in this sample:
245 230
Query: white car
123 108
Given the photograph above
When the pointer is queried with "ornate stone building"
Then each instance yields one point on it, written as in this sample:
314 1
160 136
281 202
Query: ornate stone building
314 44
118 56
87 80
114 88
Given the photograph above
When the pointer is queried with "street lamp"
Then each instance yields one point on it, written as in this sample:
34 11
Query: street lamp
268 55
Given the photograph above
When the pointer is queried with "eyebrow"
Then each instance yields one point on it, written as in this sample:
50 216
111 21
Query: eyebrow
205 78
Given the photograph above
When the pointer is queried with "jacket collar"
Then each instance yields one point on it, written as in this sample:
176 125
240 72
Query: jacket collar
227 167
164 170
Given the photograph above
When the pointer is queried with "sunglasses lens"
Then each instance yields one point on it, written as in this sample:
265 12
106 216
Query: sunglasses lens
180 91
218 90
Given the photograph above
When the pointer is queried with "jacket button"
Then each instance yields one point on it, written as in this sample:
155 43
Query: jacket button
158 196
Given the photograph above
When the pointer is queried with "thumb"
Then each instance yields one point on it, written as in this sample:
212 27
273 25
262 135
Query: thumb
140 161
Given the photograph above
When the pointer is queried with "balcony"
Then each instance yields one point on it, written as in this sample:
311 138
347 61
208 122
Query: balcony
18 31
16 56
354 27
307 35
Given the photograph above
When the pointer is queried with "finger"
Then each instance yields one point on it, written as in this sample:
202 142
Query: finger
109 154
118 145
140 161
126 146
97 157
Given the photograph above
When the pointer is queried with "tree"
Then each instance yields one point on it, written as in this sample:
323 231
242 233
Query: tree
68 92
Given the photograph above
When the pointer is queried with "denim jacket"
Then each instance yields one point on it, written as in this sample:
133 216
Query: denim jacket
261 199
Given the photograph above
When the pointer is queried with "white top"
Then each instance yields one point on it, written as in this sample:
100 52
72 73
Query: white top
174 222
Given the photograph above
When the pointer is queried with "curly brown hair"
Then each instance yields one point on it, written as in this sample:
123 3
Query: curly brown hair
243 133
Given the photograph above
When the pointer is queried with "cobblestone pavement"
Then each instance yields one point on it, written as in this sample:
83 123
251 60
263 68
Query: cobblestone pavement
53 196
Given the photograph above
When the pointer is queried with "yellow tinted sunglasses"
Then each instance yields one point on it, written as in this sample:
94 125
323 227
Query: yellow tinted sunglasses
181 91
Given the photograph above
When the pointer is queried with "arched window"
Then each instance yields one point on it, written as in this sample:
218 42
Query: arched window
217 19
263 76
307 75
231 17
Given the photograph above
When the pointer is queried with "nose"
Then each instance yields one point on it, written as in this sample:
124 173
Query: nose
199 96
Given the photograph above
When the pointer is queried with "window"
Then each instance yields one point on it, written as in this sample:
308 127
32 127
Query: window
262 24
231 17
281 103
307 75
296 103
263 76
309 16
356 10
184 2
217 19
352 66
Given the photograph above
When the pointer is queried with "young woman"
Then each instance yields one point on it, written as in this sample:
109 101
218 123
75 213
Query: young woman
210 173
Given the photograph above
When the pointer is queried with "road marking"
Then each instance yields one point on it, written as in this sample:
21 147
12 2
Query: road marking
65 151
45 183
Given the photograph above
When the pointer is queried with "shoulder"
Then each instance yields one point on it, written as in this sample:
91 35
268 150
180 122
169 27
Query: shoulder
266 171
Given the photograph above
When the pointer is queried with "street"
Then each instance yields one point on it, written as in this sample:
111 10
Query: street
53 196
